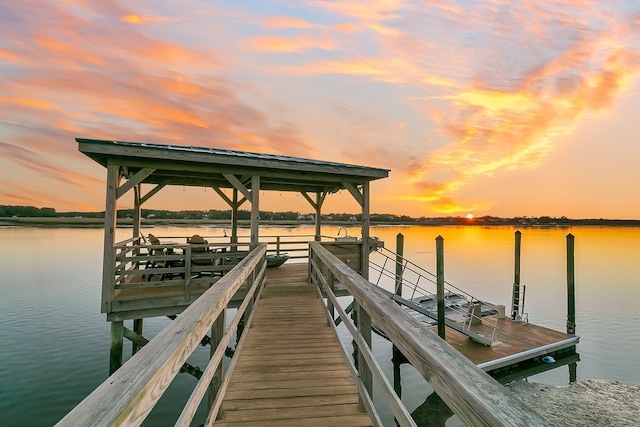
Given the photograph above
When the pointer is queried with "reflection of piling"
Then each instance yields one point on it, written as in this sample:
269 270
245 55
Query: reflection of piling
571 286
440 283
515 302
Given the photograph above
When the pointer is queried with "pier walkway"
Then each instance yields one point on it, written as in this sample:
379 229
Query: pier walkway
291 369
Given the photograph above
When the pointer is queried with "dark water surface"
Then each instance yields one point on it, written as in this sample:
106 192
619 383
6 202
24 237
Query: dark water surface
54 343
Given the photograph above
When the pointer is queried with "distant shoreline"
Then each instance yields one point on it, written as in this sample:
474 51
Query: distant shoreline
432 222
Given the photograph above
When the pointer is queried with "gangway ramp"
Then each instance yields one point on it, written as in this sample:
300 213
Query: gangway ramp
291 369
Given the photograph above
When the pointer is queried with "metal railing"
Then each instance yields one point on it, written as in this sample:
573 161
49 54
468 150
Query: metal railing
463 311
475 397
127 396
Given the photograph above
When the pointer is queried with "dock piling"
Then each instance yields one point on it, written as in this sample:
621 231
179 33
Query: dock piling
440 284
117 337
571 285
515 302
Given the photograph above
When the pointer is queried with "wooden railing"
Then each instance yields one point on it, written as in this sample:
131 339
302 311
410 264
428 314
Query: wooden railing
127 396
140 265
475 397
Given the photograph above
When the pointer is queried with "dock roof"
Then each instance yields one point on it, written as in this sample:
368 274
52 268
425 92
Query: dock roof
202 166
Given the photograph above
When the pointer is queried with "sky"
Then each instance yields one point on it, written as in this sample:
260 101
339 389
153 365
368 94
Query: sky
503 108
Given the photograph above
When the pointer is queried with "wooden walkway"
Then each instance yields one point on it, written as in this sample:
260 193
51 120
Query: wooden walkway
291 370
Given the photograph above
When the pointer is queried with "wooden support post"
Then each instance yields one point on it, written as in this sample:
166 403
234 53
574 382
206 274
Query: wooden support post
515 300
217 333
137 328
571 286
108 261
255 210
399 262
364 372
573 372
117 336
366 222
440 284
318 218
137 211
234 222
278 245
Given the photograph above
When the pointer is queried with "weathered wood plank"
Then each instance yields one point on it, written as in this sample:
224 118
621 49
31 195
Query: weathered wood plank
337 421
293 402
296 413
299 377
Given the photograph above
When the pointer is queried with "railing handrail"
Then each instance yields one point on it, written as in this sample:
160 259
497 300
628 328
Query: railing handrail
127 396
475 397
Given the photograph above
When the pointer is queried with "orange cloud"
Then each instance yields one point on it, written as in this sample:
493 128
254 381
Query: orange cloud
136 19
290 44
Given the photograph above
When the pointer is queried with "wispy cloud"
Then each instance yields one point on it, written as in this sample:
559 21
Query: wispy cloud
498 108
291 44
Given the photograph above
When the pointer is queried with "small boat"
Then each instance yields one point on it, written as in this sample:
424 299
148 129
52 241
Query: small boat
276 260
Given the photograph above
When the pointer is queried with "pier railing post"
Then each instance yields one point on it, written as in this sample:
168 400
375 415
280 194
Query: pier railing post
364 372
217 334
571 286
515 300
331 283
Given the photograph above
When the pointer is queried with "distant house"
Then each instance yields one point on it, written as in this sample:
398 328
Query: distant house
353 219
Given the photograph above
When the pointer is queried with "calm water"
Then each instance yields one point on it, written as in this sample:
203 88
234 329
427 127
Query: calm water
54 343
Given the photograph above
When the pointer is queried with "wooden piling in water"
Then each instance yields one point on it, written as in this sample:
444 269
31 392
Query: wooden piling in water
440 284
137 328
515 300
117 336
571 285
399 263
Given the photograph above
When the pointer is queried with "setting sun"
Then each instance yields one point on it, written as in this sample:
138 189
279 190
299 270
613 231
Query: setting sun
470 216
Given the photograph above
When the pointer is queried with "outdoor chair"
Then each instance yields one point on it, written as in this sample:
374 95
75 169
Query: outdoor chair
153 262
198 249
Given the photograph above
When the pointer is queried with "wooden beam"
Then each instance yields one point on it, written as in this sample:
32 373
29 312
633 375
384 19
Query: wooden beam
223 196
133 181
238 185
354 192
309 199
151 193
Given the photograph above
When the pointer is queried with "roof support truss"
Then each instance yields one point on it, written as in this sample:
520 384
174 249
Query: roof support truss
133 181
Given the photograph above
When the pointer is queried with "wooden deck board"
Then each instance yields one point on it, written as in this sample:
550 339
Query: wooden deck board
511 338
291 370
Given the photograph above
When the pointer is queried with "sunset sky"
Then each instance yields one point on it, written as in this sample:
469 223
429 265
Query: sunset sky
505 108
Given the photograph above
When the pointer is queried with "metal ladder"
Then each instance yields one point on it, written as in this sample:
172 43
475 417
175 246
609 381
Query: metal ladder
463 312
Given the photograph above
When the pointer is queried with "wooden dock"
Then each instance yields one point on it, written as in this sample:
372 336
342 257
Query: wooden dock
291 369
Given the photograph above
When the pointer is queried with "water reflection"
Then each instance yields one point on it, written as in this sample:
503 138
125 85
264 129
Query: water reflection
54 343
